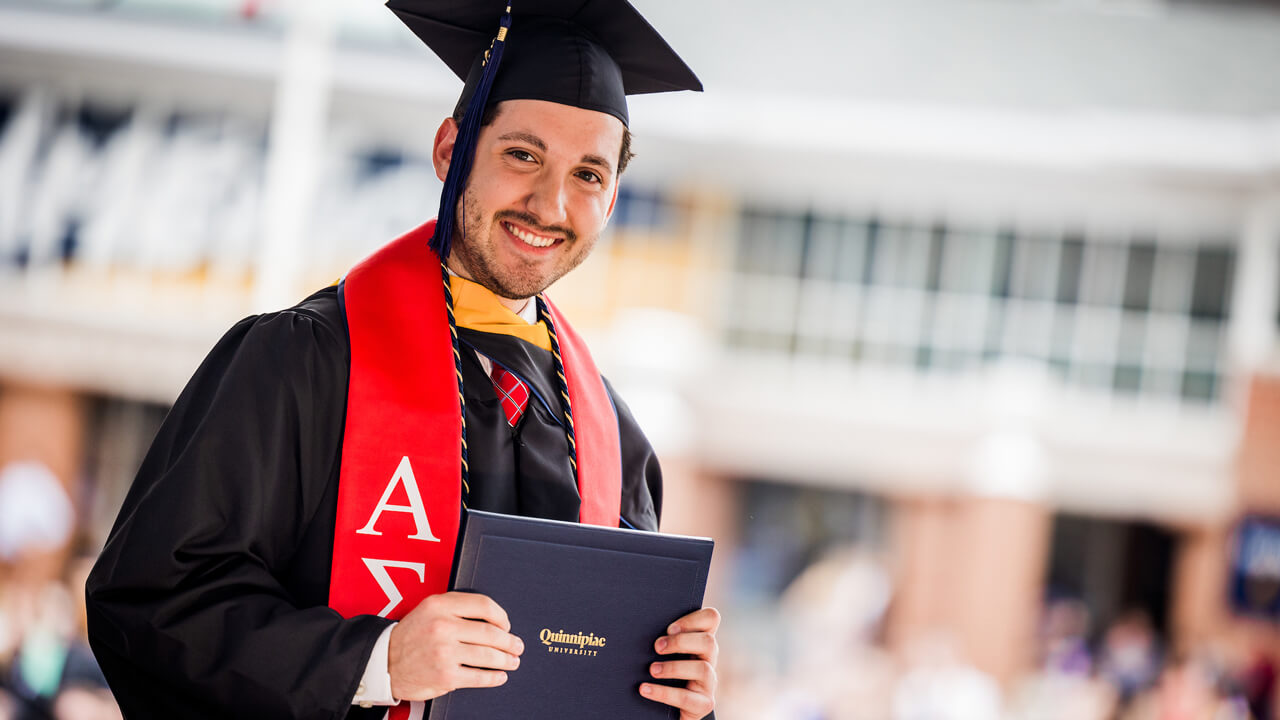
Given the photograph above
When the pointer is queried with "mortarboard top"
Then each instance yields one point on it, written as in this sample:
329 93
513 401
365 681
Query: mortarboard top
584 53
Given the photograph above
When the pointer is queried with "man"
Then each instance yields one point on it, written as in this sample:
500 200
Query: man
305 489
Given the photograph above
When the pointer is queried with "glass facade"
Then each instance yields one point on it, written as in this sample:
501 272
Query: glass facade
1127 316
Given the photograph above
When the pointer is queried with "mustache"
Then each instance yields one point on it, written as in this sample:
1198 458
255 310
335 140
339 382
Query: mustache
532 223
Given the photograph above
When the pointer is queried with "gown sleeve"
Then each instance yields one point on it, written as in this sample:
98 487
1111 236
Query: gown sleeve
189 611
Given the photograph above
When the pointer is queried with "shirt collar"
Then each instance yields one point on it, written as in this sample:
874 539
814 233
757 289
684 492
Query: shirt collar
528 313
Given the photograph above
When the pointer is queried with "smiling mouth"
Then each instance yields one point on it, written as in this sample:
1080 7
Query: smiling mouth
529 238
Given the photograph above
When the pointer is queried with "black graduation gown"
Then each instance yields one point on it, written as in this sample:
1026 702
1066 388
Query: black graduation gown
209 599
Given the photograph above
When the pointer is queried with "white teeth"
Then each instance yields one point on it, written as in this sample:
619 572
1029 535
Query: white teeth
529 238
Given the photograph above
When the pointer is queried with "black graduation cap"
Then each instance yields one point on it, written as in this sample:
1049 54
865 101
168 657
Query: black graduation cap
584 53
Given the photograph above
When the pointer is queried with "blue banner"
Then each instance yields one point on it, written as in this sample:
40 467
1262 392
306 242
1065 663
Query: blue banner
1255 568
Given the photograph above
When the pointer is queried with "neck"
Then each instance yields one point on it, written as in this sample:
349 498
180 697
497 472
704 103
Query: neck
515 305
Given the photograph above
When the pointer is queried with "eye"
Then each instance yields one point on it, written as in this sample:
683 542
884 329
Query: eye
521 155
590 176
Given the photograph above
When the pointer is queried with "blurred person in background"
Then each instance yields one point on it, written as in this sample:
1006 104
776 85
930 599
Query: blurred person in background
1130 655
1064 638
53 674
1258 683
830 663
1065 686
247 573
832 613
45 663
939 684
36 517
1189 688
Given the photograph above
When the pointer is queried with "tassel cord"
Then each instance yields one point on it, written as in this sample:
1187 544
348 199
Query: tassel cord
464 146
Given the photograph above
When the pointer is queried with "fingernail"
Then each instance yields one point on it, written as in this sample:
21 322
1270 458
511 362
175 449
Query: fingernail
646 689
674 629
519 646
656 668
662 644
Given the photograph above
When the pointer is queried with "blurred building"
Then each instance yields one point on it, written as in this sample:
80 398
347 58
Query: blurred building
989 290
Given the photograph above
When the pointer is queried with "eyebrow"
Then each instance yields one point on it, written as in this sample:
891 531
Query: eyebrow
598 161
535 141
525 137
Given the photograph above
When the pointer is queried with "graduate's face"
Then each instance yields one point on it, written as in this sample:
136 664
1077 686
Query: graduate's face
541 189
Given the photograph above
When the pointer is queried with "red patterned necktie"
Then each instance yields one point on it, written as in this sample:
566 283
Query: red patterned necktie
513 393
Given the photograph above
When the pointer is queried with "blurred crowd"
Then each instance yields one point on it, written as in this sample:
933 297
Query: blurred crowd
46 669
825 654
1130 673
833 662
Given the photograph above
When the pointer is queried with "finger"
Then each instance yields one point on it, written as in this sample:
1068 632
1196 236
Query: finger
705 620
475 606
467 677
694 703
477 632
701 644
699 671
486 658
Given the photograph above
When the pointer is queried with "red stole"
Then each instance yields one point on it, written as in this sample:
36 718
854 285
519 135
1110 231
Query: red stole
399 493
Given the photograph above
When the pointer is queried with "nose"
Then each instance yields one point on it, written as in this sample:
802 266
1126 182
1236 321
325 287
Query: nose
547 199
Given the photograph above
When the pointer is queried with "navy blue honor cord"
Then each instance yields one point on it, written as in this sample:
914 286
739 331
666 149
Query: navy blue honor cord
544 316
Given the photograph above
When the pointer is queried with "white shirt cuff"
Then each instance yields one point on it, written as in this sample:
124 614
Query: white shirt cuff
375 684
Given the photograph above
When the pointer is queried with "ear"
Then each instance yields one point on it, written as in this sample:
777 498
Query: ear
612 202
442 150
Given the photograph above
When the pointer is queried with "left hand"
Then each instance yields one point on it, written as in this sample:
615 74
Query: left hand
694 634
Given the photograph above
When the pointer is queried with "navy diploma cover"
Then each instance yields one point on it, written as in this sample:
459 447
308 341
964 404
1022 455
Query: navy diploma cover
587 601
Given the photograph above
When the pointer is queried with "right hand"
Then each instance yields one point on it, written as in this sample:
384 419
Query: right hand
450 641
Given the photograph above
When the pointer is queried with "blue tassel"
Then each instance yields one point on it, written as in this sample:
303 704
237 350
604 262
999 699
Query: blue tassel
464 147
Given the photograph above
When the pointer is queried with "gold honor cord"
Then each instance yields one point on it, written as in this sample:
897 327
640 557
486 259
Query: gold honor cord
462 401
564 388
457 364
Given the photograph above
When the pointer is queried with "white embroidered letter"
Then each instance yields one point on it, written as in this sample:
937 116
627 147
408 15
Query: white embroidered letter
403 476
378 568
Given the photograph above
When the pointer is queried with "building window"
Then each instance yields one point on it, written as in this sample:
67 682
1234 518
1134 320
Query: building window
1140 316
